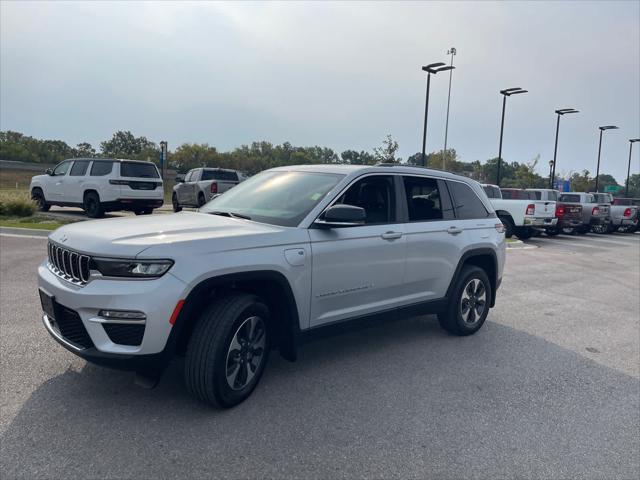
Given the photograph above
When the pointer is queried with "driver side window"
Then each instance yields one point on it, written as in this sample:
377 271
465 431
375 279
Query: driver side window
376 194
61 169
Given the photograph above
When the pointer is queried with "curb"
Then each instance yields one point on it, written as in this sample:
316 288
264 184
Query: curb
26 232
519 245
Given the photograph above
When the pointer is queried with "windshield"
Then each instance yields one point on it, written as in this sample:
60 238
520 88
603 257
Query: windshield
278 198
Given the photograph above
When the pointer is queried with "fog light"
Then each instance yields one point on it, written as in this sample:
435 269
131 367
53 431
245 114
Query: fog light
122 315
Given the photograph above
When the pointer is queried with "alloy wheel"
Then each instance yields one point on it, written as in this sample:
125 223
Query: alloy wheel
246 353
473 301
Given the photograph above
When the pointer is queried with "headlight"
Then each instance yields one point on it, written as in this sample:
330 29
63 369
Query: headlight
110 267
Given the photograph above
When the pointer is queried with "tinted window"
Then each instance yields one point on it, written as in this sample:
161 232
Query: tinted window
423 199
553 196
538 195
491 191
518 195
466 202
376 195
622 201
223 175
61 169
99 169
140 170
79 168
570 198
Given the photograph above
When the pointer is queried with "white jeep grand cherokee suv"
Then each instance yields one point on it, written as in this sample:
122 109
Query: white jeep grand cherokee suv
100 185
269 262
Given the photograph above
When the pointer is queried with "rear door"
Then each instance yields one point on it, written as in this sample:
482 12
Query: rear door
435 238
182 189
360 270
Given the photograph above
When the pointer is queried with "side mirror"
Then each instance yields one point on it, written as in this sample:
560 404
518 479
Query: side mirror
48 171
341 216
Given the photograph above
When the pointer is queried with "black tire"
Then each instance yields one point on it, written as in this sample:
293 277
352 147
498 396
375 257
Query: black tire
452 319
601 229
508 226
176 205
523 233
201 199
208 353
583 230
569 231
552 231
92 206
38 197
143 211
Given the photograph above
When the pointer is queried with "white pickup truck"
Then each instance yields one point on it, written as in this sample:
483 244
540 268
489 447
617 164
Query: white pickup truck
520 211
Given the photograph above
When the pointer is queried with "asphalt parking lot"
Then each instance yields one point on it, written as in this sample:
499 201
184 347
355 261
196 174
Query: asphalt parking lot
549 388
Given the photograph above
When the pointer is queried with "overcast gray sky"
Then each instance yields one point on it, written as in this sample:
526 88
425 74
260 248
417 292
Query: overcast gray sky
333 74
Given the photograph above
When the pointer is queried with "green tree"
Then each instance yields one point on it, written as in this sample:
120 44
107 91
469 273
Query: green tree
386 153
634 186
85 150
124 144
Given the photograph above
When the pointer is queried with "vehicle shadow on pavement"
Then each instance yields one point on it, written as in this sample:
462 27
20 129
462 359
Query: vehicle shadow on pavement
399 399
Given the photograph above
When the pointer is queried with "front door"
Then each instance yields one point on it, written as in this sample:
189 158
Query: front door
359 270
58 183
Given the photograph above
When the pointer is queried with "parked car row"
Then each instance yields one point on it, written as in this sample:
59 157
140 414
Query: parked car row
525 212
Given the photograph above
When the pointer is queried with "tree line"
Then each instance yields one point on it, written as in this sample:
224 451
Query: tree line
262 155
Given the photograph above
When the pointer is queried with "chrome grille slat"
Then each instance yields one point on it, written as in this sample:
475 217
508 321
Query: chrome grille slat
68 264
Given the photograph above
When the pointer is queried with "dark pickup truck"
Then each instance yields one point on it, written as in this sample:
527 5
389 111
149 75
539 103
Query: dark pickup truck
569 217
595 216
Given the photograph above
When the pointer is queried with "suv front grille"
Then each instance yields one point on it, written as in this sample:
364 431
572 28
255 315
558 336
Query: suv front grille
70 265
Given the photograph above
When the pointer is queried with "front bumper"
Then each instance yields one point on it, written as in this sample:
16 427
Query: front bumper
155 298
540 222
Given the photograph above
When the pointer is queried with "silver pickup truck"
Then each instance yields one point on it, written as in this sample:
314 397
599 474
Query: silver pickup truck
624 214
201 184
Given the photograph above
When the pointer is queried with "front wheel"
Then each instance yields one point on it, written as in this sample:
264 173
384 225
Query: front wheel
176 205
228 350
469 306
38 197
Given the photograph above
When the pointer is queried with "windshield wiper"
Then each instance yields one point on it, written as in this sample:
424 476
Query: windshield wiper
231 215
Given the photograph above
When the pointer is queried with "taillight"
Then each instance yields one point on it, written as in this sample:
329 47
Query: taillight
500 227
627 212
531 209
595 211
214 187
559 210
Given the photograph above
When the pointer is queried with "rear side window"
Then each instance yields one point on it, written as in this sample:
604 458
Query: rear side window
79 168
519 195
138 170
538 195
622 201
466 203
424 199
99 169
222 175
570 198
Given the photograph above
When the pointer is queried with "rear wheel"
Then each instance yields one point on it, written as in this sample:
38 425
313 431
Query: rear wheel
583 229
92 205
552 231
38 197
508 226
201 199
523 233
600 229
176 205
228 350
469 306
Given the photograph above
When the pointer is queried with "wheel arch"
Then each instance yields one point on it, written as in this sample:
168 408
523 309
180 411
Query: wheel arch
270 286
484 258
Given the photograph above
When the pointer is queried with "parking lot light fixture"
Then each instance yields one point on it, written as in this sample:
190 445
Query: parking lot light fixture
602 129
551 164
631 142
507 92
559 112
431 68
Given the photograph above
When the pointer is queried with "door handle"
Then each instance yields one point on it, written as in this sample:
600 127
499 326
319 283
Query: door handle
454 230
391 235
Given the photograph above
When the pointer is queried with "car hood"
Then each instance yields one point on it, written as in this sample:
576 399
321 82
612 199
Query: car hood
130 236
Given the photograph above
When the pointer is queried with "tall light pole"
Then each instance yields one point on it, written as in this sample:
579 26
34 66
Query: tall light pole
507 92
431 68
551 165
453 52
560 112
631 142
602 129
